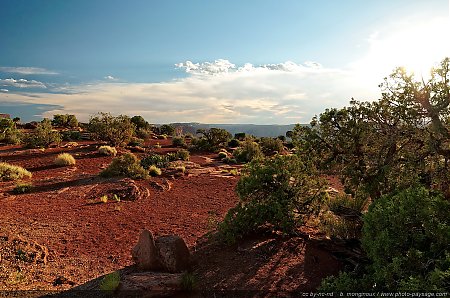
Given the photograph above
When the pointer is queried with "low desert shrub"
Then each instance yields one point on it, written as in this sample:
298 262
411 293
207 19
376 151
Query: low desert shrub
248 151
64 159
183 154
178 142
107 150
154 159
43 136
234 143
188 281
406 236
71 135
22 188
281 192
110 282
154 171
222 155
127 165
10 172
270 146
117 130
136 142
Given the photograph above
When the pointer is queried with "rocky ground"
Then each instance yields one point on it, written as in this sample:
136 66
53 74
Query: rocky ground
60 235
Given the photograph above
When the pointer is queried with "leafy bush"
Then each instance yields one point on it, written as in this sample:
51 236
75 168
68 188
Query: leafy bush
143 133
22 188
140 123
154 171
212 138
240 136
406 236
248 151
136 142
43 136
233 143
65 120
222 155
64 159
11 172
9 133
110 282
178 142
270 146
107 150
126 165
183 154
154 159
281 191
71 135
167 129
118 131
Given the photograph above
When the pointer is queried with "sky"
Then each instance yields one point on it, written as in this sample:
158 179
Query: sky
234 61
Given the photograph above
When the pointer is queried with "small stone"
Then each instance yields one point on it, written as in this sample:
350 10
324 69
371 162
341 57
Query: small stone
145 254
173 252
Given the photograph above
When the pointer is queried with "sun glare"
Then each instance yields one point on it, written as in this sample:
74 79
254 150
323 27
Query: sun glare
415 46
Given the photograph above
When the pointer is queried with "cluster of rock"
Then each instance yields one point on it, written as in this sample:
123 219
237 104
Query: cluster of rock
161 262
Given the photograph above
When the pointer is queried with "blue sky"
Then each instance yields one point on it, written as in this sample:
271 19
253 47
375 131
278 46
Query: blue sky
230 61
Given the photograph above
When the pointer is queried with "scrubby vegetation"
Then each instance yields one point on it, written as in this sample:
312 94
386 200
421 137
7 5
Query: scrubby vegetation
107 150
43 136
178 142
211 139
64 159
116 130
22 188
65 120
248 151
154 171
10 172
282 191
9 134
127 165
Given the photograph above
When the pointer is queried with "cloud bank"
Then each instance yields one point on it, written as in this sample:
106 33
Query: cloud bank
213 92
22 83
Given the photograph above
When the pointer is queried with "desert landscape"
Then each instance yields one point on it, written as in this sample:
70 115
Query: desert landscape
60 235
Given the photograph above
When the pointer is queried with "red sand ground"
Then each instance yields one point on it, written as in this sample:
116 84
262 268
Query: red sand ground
86 240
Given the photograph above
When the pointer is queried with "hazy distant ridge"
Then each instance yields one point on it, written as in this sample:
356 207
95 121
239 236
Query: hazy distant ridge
271 130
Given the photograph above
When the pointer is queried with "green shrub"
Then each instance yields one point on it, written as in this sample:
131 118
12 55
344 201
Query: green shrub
43 136
110 282
126 165
64 159
248 151
240 136
154 171
234 143
212 138
107 150
280 191
118 131
142 133
222 155
71 135
162 137
10 172
136 142
406 236
269 146
22 188
65 120
167 129
9 134
154 159
183 154
188 281
178 142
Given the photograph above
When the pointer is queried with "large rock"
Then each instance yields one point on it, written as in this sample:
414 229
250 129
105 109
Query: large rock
150 284
145 253
173 253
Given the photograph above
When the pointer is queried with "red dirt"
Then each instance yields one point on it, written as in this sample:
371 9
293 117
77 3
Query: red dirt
86 239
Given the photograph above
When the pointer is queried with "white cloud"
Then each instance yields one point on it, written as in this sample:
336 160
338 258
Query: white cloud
4 90
217 67
215 92
22 83
27 70
110 78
